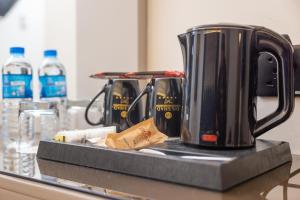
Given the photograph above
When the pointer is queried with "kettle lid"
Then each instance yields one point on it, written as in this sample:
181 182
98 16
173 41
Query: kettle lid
222 26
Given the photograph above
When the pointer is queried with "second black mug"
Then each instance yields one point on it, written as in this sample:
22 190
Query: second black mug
163 103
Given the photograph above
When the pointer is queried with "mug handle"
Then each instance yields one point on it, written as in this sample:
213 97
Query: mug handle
268 41
86 114
145 91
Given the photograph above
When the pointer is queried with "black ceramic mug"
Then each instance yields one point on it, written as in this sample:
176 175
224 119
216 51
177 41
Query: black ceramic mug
163 103
221 68
118 95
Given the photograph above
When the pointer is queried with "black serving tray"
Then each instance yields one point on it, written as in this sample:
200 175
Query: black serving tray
211 169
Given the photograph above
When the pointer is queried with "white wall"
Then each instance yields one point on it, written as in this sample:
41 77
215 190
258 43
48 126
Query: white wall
39 25
90 36
60 34
24 26
168 18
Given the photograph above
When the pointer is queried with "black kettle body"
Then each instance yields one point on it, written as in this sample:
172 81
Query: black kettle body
221 65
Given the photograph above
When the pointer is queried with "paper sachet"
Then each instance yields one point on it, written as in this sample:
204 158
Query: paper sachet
141 135
84 134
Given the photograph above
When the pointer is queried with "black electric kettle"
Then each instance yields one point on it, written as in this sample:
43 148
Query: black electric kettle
118 95
221 65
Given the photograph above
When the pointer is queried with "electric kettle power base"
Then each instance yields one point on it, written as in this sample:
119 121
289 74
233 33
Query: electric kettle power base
210 169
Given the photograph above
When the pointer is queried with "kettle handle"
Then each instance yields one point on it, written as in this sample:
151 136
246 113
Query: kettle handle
145 91
86 114
268 41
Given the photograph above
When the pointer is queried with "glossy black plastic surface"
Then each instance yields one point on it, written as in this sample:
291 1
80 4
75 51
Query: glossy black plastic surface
118 95
164 102
297 69
267 75
220 86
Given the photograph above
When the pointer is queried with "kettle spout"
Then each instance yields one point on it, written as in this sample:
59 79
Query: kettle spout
183 43
182 40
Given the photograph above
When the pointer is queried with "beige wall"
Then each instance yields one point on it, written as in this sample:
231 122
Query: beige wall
288 131
168 18
108 35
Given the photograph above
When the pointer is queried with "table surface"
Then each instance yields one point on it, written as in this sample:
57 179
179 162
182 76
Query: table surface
280 183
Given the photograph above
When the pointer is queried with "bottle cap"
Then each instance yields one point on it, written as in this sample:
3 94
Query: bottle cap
17 50
50 53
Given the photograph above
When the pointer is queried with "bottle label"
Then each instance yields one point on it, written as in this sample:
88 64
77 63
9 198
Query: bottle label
16 86
53 86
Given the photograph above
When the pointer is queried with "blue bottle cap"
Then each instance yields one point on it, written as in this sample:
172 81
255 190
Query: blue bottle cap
17 50
50 53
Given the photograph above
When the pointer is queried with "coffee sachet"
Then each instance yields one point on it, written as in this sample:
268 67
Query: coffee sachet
141 135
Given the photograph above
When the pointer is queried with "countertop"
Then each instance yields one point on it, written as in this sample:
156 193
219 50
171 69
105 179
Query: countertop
86 183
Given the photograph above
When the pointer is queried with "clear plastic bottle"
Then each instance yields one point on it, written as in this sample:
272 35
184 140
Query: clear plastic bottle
16 87
53 87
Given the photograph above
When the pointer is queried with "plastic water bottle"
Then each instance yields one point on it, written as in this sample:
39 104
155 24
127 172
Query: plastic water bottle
53 87
16 87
